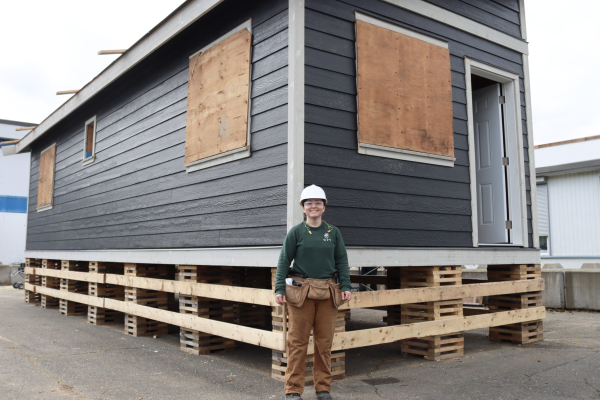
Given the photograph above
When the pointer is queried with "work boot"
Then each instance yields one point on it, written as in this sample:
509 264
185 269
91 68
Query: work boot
324 396
293 396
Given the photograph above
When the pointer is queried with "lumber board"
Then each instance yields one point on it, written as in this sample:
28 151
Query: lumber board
70 296
371 337
74 275
46 177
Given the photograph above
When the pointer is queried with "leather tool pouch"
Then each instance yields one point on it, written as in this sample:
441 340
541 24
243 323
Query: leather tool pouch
295 295
317 289
336 294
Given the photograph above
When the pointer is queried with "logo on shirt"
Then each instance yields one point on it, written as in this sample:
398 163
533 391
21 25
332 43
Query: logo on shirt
326 239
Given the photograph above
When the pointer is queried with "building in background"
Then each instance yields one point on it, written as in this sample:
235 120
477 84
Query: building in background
568 186
14 191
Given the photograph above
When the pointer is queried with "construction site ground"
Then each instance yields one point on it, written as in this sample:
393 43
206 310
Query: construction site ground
44 355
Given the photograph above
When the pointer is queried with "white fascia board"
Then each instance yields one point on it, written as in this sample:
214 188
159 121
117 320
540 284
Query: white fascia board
9 150
406 155
464 24
164 32
268 256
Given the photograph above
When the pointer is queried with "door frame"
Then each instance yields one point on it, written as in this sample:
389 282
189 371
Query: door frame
512 123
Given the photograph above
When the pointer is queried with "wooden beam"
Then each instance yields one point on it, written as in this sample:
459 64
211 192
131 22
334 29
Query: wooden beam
105 52
26 128
74 275
63 294
67 91
380 298
371 337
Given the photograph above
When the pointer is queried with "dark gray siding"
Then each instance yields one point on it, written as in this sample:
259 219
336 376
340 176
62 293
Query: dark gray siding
502 15
378 201
137 193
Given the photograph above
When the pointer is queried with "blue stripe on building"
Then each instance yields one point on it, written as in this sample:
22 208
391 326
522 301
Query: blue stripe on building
13 204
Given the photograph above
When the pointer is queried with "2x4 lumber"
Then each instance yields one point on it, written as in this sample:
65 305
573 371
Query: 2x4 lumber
375 336
271 340
25 128
265 297
67 91
74 275
105 52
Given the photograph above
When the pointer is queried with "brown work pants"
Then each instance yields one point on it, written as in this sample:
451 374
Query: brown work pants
320 315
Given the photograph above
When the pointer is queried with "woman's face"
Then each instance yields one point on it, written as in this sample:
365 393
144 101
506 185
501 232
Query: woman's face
314 208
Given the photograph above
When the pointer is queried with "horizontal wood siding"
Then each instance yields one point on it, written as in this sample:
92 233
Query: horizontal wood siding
502 15
380 201
137 194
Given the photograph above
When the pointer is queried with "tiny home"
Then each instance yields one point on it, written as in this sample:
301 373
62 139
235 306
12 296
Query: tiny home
192 148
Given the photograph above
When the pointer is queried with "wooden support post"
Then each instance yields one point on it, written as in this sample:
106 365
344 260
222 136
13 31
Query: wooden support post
140 326
520 333
67 307
279 358
439 347
196 342
105 316
33 279
51 283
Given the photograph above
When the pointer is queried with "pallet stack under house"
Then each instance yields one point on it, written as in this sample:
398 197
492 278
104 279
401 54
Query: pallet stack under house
161 192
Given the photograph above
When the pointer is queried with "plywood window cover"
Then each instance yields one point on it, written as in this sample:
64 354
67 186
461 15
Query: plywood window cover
92 158
47 206
397 153
241 152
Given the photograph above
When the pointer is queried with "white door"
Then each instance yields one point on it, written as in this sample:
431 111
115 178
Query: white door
491 179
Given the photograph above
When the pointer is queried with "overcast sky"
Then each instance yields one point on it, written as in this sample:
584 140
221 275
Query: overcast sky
52 45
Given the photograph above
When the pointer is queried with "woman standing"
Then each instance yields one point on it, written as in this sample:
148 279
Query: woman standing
319 256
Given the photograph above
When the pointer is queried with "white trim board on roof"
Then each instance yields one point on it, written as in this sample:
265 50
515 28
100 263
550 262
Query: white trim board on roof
464 24
268 256
187 15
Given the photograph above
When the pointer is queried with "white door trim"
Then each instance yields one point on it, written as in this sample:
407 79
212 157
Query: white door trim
510 84
531 151
295 162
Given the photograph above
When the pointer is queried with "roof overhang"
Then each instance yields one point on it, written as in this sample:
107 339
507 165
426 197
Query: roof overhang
568 157
180 19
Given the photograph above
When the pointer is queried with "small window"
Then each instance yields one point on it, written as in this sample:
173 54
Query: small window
544 245
89 141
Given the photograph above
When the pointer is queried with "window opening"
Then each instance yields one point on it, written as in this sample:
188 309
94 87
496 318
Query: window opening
89 142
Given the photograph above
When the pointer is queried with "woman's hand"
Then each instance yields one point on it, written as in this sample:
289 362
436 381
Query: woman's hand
280 299
346 296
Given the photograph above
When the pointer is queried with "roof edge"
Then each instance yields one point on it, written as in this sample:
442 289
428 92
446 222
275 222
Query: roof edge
180 19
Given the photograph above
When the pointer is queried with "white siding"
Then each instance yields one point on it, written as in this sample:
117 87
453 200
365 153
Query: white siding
574 203
542 201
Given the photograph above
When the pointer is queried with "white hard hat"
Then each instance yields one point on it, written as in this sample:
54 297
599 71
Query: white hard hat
312 192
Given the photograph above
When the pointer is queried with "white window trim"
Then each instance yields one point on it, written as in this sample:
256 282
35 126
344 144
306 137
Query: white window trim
241 152
392 152
48 206
517 201
85 161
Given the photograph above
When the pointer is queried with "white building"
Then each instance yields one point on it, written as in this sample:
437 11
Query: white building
568 190
14 194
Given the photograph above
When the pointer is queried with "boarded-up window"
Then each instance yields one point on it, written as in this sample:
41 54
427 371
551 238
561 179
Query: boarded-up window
404 90
89 142
46 178
218 95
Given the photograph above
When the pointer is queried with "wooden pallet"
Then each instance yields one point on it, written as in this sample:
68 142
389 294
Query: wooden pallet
48 302
497 273
207 274
431 311
197 343
70 308
146 297
32 298
435 348
523 333
51 264
107 268
51 282
139 326
279 366
104 316
68 265
415 277
70 285
33 262
516 301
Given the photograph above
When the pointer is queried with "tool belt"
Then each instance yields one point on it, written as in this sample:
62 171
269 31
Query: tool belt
317 289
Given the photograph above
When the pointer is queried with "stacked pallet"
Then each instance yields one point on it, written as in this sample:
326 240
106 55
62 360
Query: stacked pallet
67 307
32 297
196 342
51 283
247 314
140 326
279 358
105 316
432 347
521 333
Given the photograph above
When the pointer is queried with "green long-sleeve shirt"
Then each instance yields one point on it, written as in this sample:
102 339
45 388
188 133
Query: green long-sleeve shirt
319 255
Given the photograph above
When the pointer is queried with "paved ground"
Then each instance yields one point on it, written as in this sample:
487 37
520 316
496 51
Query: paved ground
44 355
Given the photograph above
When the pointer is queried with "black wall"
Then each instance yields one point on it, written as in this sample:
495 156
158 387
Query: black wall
137 193
378 201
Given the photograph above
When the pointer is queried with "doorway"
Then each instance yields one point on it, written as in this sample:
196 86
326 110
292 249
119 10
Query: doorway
498 200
